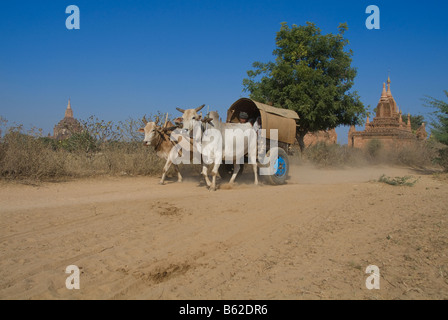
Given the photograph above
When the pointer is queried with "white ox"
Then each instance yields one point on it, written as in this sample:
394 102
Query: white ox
218 141
190 117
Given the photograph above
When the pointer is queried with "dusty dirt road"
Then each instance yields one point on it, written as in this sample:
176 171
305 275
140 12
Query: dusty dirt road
310 239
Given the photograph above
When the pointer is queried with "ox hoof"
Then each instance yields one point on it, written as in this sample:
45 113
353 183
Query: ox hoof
161 183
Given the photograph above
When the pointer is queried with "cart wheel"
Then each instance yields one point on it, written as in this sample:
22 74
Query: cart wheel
279 168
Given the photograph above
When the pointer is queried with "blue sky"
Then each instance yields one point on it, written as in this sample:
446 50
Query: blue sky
131 58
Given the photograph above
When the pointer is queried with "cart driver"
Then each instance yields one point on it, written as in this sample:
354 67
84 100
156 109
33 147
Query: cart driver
243 117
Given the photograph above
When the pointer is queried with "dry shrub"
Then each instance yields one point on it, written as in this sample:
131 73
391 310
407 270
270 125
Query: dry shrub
373 149
334 155
128 158
398 181
24 156
442 159
420 154
31 157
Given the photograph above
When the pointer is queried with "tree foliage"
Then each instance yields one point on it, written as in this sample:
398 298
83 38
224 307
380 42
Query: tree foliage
416 121
440 123
311 75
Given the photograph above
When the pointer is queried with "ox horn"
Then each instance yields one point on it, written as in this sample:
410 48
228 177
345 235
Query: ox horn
207 119
157 121
199 108
181 110
166 120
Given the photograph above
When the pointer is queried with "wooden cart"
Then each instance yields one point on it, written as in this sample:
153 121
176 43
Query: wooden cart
283 120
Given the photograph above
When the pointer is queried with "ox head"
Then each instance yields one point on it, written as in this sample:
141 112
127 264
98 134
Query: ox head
189 117
150 131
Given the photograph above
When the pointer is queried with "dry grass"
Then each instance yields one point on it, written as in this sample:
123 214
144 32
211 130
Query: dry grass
28 156
417 155
23 156
334 155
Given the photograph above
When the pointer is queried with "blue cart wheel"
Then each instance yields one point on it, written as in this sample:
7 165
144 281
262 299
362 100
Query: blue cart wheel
280 168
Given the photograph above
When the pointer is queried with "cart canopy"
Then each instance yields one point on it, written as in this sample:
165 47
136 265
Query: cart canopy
284 120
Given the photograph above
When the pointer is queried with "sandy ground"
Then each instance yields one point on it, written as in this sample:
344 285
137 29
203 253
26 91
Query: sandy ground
310 239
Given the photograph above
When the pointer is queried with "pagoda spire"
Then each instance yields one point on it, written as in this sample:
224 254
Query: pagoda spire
391 98
389 93
384 93
69 110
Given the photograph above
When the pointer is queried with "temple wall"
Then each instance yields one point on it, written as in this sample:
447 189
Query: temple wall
311 138
386 141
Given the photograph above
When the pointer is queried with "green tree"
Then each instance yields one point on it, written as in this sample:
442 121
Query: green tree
416 121
311 75
440 126
440 123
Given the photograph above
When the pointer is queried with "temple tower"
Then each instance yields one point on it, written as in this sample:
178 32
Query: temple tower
67 126
387 126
